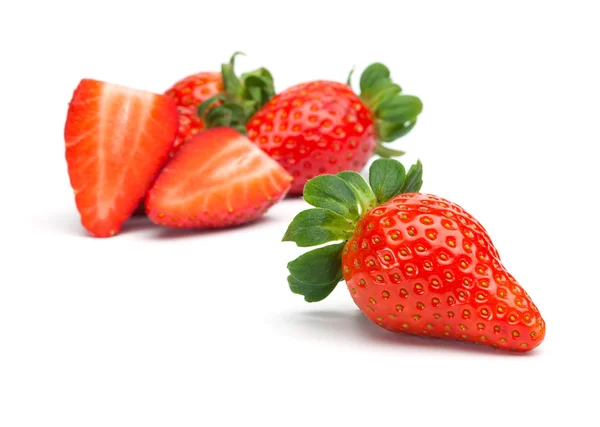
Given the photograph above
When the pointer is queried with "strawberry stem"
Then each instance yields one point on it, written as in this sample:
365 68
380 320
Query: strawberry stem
242 97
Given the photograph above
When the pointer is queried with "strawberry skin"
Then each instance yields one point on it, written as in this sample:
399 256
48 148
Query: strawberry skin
217 179
421 264
116 141
188 94
315 128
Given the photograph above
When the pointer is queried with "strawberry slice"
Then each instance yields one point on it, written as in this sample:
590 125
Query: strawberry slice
117 139
218 179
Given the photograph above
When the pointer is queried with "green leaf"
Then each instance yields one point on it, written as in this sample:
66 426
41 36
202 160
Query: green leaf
386 152
316 226
400 109
386 177
210 102
362 191
414 179
331 192
381 91
231 82
311 293
372 74
390 131
320 266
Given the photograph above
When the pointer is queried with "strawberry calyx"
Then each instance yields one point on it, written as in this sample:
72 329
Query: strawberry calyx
241 97
395 112
339 201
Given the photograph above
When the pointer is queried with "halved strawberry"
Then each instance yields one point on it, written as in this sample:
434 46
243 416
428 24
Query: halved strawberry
219 178
117 139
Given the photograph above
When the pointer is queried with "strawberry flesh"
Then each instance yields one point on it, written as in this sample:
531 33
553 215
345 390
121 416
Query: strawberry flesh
116 141
219 178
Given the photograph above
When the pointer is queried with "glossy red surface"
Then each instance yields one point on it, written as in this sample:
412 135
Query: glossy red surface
315 128
420 264
188 94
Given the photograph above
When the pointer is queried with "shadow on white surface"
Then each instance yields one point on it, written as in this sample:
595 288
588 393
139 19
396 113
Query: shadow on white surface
169 233
353 326
69 224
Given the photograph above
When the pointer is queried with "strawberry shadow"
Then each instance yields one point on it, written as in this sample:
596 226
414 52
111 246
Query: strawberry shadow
170 233
70 224
354 326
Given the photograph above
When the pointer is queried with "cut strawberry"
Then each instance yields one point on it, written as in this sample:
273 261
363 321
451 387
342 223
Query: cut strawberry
218 179
117 139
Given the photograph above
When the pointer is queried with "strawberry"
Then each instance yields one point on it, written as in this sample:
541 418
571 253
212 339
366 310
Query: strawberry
188 94
324 127
251 89
413 262
116 140
219 178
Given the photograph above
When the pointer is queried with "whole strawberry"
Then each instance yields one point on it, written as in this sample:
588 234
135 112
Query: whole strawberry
413 262
324 127
251 89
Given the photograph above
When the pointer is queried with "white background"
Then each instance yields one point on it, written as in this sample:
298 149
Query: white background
162 328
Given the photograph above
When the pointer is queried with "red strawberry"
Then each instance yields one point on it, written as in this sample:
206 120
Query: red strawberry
323 127
188 94
413 262
219 178
117 139
251 89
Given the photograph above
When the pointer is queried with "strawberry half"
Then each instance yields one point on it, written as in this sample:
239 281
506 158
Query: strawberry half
219 178
413 263
116 139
